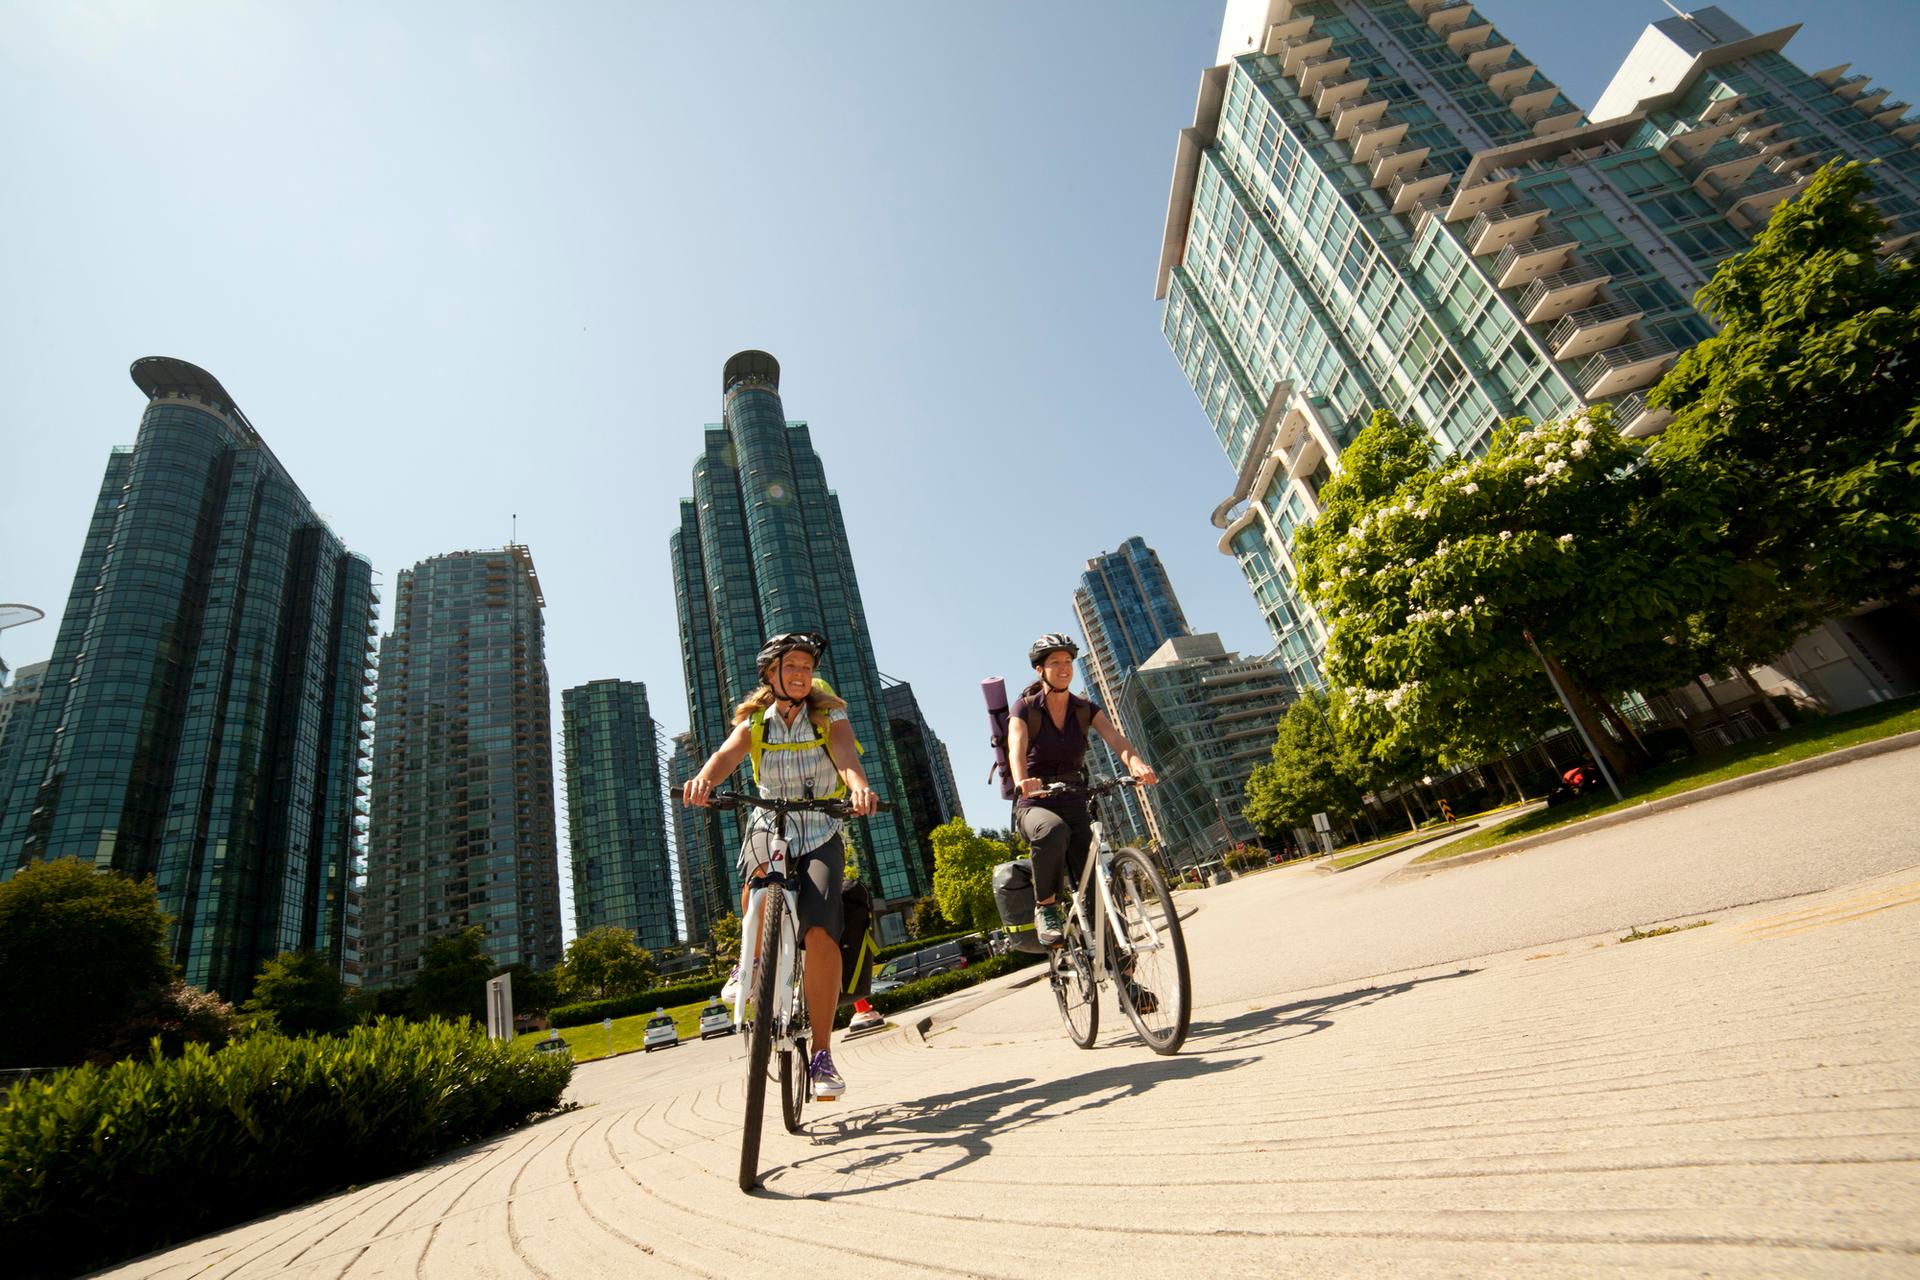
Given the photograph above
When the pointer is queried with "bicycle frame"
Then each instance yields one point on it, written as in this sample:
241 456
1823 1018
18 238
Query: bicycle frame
1097 875
773 878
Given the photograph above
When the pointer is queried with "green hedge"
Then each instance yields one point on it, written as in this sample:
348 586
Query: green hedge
98 1164
940 984
589 1011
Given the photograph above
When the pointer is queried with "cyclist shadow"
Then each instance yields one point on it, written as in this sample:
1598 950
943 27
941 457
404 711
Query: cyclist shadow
914 1141
1285 1022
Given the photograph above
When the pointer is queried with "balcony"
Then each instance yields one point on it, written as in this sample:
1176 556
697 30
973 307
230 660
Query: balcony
1334 95
1625 368
1390 162
1556 120
1867 101
1315 71
1905 130
1369 139
1528 260
1720 106
1725 164
1496 228
1887 112
1686 144
1356 112
1636 418
1470 35
1851 86
1552 296
1292 53
1503 77
1287 27
1449 14
1468 201
1432 207
1423 7
1534 94
1590 329
1424 183
1493 54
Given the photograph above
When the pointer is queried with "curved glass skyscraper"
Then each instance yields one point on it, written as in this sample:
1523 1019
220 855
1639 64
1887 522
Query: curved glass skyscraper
762 549
202 717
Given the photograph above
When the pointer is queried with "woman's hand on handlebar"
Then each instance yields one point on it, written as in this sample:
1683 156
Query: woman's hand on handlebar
862 801
1031 786
1142 771
698 792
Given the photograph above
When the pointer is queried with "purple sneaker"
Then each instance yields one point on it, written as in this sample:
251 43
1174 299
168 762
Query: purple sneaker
827 1084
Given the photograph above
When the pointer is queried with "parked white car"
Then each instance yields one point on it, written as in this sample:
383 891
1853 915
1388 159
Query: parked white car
715 1020
660 1033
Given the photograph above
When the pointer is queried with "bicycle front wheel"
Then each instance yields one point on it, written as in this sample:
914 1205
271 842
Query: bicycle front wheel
794 1084
760 1032
1070 970
1153 981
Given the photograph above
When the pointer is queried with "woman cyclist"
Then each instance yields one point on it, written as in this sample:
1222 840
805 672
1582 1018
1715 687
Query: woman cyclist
807 741
1046 743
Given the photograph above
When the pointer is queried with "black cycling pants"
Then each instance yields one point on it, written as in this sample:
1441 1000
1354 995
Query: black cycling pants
1059 842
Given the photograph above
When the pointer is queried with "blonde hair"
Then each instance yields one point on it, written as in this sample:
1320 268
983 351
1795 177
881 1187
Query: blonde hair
820 700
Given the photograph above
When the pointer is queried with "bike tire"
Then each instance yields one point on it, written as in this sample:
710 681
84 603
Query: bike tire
760 1047
1141 897
1070 971
795 1086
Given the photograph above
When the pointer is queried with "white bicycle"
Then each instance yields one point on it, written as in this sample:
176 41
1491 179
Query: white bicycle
1124 900
773 990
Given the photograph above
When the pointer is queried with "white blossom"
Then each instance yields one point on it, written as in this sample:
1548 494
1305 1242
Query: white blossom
1471 487
1564 539
1505 534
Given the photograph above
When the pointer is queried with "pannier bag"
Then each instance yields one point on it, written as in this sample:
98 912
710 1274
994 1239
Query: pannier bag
857 948
1013 894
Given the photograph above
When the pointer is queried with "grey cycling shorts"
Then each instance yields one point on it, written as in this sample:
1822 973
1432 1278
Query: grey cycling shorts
817 877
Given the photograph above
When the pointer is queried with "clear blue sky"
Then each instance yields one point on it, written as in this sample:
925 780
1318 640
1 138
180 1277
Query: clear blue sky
462 261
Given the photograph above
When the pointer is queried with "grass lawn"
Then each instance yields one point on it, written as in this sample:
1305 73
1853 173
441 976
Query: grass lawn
1829 733
590 1042
1399 840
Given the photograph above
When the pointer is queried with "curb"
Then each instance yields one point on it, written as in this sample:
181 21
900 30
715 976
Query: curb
1399 848
1779 773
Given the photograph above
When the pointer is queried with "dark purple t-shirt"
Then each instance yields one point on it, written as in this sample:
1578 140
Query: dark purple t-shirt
1054 752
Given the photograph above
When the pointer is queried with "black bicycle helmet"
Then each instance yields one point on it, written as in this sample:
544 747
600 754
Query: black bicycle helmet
1039 649
810 642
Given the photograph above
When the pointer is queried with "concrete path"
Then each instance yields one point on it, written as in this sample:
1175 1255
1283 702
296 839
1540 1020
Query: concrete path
1461 1074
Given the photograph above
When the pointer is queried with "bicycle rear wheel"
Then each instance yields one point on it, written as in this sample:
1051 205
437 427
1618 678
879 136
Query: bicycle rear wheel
1070 970
1153 983
760 1032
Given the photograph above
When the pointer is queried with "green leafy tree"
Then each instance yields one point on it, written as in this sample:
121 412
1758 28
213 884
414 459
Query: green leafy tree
606 962
723 941
82 954
1431 577
963 863
299 993
1312 771
452 981
1793 457
928 920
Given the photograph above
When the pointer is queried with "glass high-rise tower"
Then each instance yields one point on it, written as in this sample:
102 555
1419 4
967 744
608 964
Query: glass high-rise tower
201 720
1384 204
616 822
463 811
762 549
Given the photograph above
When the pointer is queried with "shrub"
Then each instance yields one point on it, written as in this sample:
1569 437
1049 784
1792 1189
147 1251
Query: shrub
102 1163
586 1011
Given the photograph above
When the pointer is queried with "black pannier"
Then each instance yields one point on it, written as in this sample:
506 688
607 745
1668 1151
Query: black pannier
857 949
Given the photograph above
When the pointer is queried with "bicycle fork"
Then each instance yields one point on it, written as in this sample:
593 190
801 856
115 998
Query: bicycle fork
773 879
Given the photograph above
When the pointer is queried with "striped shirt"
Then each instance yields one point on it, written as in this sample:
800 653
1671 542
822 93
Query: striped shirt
784 776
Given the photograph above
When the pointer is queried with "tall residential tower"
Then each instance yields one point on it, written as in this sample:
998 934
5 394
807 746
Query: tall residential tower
201 720
761 550
1383 204
616 822
463 814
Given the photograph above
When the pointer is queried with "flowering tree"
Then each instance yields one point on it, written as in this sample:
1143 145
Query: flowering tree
1429 576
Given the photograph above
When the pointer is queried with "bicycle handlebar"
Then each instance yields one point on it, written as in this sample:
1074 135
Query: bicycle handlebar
1097 787
827 805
